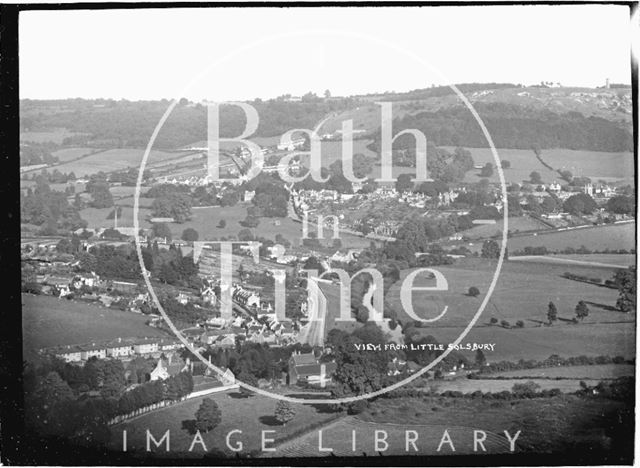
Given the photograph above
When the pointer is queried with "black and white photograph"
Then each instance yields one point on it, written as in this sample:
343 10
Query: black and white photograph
319 234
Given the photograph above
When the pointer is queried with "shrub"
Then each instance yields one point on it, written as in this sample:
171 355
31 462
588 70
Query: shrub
493 321
473 291
190 235
505 324
284 412
525 390
357 407
520 324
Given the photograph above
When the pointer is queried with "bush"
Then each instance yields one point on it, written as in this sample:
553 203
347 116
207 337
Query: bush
357 407
505 324
525 390
473 291
190 235
520 324
493 321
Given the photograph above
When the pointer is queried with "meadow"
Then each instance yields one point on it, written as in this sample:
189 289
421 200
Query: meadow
111 160
70 154
622 260
205 220
519 224
97 217
49 321
595 260
611 167
598 371
523 292
550 425
52 135
251 414
614 237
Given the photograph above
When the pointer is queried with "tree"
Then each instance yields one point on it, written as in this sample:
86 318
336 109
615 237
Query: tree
247 377
284 412
161 230
222 224
505 164
362 165
549 204
190 235
173 205
245 235
362 313
481 360
473 291
487 170
535 177
208 415
404 183
514 205
621 204
552 313
626 283
579 204
490 249
493 321
582 310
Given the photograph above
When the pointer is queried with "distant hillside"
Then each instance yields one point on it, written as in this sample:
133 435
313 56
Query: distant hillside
517 127
613 104
120 124
517 117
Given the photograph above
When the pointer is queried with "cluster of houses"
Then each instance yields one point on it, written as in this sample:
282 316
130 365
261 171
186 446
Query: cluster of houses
122 348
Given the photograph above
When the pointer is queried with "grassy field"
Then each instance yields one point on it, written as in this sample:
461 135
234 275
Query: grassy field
97 217
205 221
547 426
495 386
523 292
49 321
112 160
521 223
602 371
251 415
617 236
339 437
613 261
69 154
54 136
612 167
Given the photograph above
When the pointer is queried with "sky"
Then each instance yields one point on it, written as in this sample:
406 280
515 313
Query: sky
240 54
